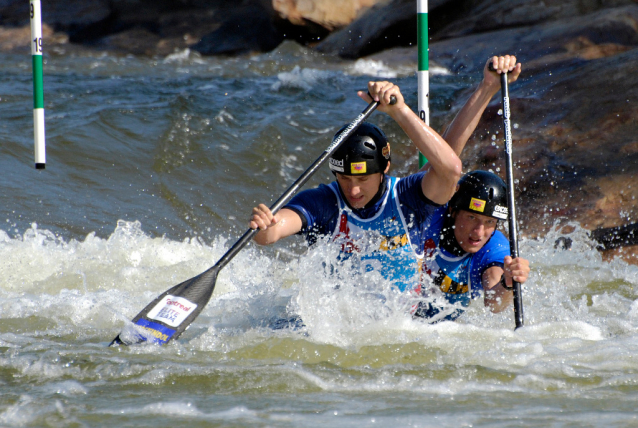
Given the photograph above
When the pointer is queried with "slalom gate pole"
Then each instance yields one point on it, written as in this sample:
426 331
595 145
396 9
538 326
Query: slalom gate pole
38 90
423 66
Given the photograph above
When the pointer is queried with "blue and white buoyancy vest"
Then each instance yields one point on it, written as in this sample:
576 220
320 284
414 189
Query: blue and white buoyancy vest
450 292
382 242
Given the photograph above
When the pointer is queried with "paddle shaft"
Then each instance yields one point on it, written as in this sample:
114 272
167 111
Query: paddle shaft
511 205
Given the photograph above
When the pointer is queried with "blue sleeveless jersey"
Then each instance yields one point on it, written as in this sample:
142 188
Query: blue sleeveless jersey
455 280
386 237
382 242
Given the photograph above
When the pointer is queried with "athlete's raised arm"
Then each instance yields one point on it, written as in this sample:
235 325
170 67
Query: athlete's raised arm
465 122
445 166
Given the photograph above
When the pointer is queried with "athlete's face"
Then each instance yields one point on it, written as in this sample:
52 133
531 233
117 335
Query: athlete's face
359 190
472 231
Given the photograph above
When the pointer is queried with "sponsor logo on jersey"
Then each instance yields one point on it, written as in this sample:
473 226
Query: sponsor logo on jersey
477 205
390 243
358 168
172 310
448 285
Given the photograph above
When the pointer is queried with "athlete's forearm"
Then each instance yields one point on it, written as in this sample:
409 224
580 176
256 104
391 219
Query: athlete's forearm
287 223
465 122
497 298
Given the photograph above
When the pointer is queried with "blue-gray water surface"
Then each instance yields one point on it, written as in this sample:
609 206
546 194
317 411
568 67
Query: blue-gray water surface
153 166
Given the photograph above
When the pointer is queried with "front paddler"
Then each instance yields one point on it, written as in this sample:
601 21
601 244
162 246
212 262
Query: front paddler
379 217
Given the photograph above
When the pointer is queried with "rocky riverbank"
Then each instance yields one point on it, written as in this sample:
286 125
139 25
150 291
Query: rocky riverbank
574 108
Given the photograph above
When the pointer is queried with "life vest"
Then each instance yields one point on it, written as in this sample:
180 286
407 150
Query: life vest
381 242
449 290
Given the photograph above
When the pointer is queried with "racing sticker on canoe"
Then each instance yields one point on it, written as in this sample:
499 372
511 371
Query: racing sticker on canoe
172 310
161 334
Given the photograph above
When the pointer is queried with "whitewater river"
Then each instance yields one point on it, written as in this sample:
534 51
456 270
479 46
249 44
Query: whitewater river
153 166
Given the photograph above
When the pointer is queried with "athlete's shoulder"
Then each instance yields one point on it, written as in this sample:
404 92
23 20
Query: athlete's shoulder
320 195
412 180
495 249
498 239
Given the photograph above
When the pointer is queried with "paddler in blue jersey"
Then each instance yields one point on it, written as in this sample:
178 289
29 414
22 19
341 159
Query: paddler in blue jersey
381 220
464 255
378 220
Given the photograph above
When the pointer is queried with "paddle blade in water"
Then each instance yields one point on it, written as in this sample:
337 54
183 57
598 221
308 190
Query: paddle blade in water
166 317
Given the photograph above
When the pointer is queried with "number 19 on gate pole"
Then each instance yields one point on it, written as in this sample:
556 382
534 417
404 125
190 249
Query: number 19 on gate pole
38 90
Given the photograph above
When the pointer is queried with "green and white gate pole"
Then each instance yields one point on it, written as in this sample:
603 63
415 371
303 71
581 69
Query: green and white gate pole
38 89
423 64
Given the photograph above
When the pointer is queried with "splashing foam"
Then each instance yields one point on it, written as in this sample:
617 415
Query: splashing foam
299 78
572 299
370 67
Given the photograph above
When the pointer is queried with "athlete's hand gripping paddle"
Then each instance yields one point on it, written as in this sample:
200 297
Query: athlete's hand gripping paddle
166 317
511 206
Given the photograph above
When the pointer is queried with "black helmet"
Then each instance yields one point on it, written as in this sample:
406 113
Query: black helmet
483 193
366 151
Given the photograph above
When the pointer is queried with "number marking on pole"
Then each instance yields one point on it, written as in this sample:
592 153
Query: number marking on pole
38 90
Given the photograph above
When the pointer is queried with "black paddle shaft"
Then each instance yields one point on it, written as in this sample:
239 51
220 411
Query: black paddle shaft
192 295
511 205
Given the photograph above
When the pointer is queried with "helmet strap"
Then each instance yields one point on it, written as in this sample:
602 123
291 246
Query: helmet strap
377 197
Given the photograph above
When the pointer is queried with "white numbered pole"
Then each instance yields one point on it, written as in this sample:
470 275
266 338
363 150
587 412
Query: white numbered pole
423 66
38 89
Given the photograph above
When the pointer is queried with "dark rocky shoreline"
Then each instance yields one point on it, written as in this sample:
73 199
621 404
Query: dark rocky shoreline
575 105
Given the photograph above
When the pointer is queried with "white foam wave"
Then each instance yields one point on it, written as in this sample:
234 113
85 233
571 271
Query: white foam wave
89 289
300 78
379 69
185 56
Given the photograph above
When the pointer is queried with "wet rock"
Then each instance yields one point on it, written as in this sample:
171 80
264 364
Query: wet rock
383 26
59 15
18 39
251 28
628 254
330 14
380 27
137 41
490 15
550 45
